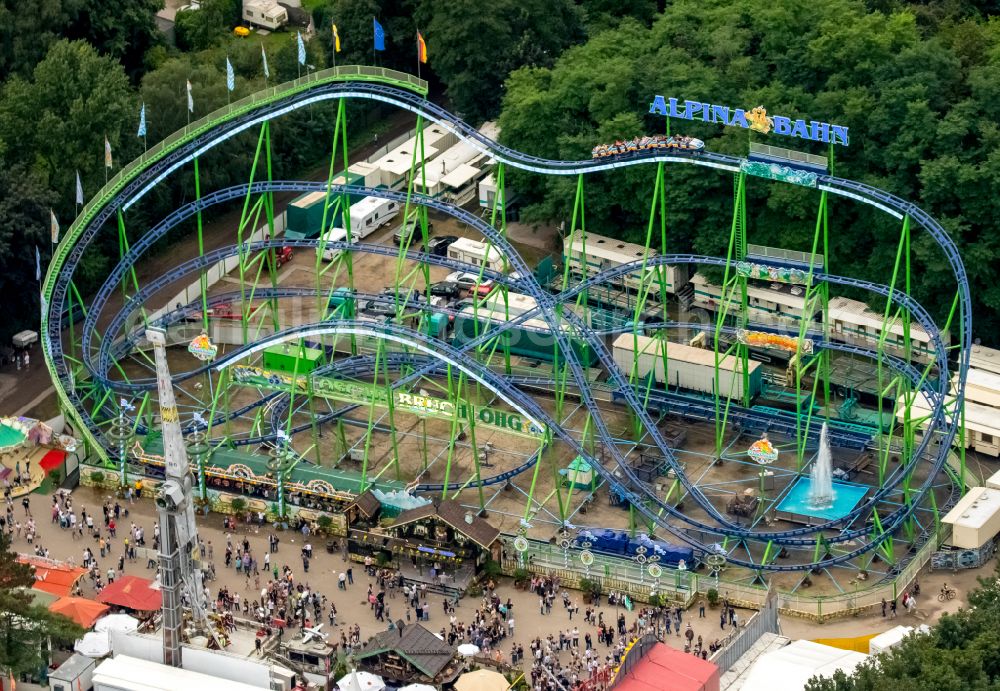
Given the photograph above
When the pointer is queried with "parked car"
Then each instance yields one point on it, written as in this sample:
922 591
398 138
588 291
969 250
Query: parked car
410 226
446 289
467 280
439 245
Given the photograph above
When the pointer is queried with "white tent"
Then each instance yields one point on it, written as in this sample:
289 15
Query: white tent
789 668
117 622
360 681
93 644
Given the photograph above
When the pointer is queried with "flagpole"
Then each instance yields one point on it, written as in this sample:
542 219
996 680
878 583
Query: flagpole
187 95
418 53
105 162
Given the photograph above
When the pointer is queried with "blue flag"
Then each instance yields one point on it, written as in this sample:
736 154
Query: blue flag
302 48
230 75
38 264
142 122
379 36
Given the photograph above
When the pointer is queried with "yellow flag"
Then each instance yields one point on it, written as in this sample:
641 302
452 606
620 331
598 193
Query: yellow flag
336 38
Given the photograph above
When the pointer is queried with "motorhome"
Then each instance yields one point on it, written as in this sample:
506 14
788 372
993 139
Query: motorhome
371 213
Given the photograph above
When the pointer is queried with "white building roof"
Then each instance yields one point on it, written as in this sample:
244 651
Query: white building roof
985 358
789 668
680 352
975 509
978 418
608 249
124 672
858 313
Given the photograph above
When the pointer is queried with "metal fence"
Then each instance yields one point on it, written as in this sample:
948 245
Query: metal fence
633 656
627 576
764 621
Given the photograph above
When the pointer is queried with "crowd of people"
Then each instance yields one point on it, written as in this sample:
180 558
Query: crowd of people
265 586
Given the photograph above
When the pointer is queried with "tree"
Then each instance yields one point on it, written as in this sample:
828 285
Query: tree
26 629
922 107
56 122
28 29
24 223
124 29
475 47
198 29
958 653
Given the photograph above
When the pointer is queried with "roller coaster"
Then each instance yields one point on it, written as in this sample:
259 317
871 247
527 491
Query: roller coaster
103 375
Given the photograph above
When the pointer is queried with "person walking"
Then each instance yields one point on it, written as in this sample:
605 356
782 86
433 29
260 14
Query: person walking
884 605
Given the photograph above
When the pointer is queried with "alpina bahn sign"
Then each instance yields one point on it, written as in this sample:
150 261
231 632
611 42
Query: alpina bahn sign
755 119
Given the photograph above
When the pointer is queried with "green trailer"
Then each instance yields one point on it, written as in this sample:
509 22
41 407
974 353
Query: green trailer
304 217
282 358
531 339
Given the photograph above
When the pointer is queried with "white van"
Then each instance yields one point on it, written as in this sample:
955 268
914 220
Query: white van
371 213
477 253
336 235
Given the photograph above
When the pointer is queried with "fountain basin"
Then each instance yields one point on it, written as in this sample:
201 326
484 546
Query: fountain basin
796 503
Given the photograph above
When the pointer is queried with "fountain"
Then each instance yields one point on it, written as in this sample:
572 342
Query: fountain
818 497
821 478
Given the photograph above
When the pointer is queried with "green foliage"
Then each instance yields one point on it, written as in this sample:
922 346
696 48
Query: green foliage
712 595
492 569
123 29
475 50
207 26
74 99
922 107
958 653
655 600
24 212
591 587
521 576
239 505
324 522
24 626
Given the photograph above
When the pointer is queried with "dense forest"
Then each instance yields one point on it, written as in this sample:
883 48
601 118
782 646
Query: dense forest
916 83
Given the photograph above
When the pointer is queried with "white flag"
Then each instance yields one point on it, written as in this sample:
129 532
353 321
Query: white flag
54 227
263 56
79 189
190 98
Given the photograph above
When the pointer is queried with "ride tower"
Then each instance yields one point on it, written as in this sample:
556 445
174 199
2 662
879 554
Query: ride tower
180 570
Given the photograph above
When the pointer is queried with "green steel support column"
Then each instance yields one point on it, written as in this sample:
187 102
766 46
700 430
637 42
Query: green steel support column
456 428
475 449
379 354
272 264
243 253
342 438
657 202
815 298
500 200
394 442
201 249
735 252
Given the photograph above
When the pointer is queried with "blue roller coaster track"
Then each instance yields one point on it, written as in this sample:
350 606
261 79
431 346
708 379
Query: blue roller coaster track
98 360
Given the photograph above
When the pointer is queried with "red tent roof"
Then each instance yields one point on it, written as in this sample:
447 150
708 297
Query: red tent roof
132 592
53 577
52 459
668 669
81 610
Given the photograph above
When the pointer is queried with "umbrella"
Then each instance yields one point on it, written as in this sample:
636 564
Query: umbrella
418 687
93 644
117 622
482 680
360 681
468 649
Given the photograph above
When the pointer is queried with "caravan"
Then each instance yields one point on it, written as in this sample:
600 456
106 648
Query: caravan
478 253
371 213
